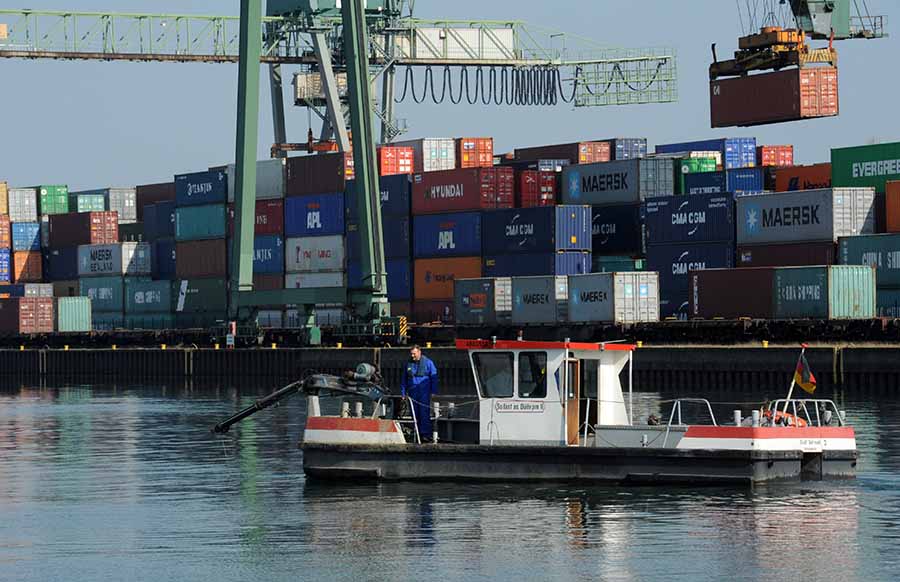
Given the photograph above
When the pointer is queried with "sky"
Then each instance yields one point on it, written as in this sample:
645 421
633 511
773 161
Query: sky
97 124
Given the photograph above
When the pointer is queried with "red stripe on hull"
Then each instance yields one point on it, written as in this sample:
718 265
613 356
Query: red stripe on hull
357 424
775 432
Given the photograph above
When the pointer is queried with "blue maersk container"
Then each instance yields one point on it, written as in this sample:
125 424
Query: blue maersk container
163 257
5 266
314 215
675 261
740 181
268 255
617 230
199 188
26 236
395 197
694 218
396 231
159 220
61 264
457 234
527 265
399 278
536 230
737 152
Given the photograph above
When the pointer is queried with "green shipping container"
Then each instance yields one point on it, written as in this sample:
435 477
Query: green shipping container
53 199
73 314
147 296
881 251
150 321
194 320
107 321
888 301
200 222
617 265
693 166
200 296
87 202
871 165
107 294
835 292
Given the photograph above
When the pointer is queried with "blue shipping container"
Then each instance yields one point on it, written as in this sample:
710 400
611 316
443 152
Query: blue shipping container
163 256
26 236
5 265
399 278
61 264
693 218
617 230
396 239
745 180
446 235
705 183
521 265
395 197
314 215
159 220
627 148
198 188
268 255
674 261
536 230
738 152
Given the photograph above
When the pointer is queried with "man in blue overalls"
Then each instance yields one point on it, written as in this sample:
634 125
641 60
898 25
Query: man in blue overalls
419 382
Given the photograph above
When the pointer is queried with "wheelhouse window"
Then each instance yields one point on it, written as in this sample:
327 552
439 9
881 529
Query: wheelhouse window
495 373
533 375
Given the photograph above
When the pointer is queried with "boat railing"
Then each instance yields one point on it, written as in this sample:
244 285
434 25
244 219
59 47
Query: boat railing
815 411
676 413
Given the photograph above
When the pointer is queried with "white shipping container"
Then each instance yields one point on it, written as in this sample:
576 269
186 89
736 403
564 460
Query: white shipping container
130 258
23 205
431 154
123 201
314 254
314 280
631 297
269 179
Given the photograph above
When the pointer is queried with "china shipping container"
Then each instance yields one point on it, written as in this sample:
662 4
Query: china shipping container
881 251
60 264
200 296
537 300
433 312
457 234
143 296
5 232
738 181
120 200
26 315
200 222
90 202
614 298
314 215
775 155
73 315
865 166
395 160
396 237
53 199
696 218
601 264
202 258
674 261
333 279
201 188
535 188
486 301
530 265
813 177
151 194
23 205
431 154
737 152
617 230
4 198
269 180
537 230
395 197
463 190
107 321
314 254
811 215
26 236
107 294
474 152
583 152
27 267
891 203
625 182
786 255
268 282
5 265
131 259
433 278
66 288
887 303
159 220
627 148
399 278
83 228
318 174
269 219
164 258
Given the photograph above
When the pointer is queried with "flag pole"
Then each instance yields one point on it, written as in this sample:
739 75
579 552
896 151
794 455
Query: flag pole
794 379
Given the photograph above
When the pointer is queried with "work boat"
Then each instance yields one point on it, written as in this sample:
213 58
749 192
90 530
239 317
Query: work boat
534 425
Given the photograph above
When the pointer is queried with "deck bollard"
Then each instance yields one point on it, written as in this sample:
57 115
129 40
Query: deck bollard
345 410
357 409
754 415
737 418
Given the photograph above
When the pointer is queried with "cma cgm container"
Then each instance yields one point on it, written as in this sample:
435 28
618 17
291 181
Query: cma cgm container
629 181
881 251
786 255
83 228
27 267
582 152
396 237
5 265
614 298
53 199
738 181
314 215
446 235
474 152
132 259
814 177
317 174
627 148
198 259
537 300
775 155
23 205
393 160
122 201
201 188
142 296
164 261
395 197
193 296
159 220
789 95
537 230
673 262
697 218
61 264
269 180
433 278
151 194
26 236
736 152
314 254
200 222
483 301
528 265
431 154
73 315
618 230
864 166
26 315
107 294
812 215
463 190
399 278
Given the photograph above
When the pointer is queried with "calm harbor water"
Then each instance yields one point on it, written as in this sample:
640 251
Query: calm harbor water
126 483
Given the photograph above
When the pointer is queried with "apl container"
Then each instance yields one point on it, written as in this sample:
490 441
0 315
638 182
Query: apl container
583 152
26 236
396 234
673 262
814 177
618 230
528 265
446 235
483 301
53 199
159 220
395 197
463 190
433 278
201 188
203 258
614 298
864 166
143 296
399 278
881 251
537 300
786 255
737 152
314 254
327 280
432 154
627 148
537 230
623 182
269 179
314 215
201 296
164 258
26 315
23 206
200 222
61 264
695 218
474 152
317 174
812 215
132 259
73 315
107 294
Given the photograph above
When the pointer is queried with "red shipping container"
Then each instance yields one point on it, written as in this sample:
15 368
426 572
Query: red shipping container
268 282
474 152
393 160
582 152
151 194
892 207
433 278
424 312
318 174
813 177
269 217
786 255
202 258
26 267
731 293
535 188
775 155
5 232
460 190
26 315
788 95
83 228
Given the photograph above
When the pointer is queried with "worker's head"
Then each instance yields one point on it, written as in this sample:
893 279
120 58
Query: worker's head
415 353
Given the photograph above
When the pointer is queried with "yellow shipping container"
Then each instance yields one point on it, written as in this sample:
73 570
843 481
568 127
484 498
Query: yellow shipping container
4 198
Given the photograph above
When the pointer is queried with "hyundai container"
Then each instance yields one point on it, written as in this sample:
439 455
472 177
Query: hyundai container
696 218
624 182
5 265
537 230
314 215
399 278
131 259
203 258
164 258
27 267
463 190
814 177
107 294
446 235
159 220
317 174
23 205
269 219
535 188
527 265
192 296
614 298
143 296
786 255
865 166
314 254
737 152
200 222
486 301
79 202
395 197
431 154
83 228
618 230
269 180
584 152
331 279
26 236
888 303
627 148
396 234
53 199
73 315
395 160
674 261
26 315
474 152
537 300
775 155
201 188
151 194
433 278
881 251
60 264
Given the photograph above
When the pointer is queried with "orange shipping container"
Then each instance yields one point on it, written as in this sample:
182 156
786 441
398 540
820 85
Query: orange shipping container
775 155
27 267
4 198
433 278
474 152
393 160
892 206
5 232
803 178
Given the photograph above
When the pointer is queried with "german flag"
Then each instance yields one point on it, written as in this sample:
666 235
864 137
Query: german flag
803 376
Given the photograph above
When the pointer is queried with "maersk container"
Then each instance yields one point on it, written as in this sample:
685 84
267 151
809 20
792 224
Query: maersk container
399 278
107 294
201 188
26 236
395 197
431 154
142 296
881 251
314 215
53 199
483 301
132 259
163 256
159 220
315 280
73 315
809 215
526 265
396 234
23 206
537 300
888 303
269 179
622 182
200 296
674 261
200 222
79 202
614 298
537 230
738 152
314 254
835 292
268 255
695 218
617 230
61 264
5 266
456 234
627 148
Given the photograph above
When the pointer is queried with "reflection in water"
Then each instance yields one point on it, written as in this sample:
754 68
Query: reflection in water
126 482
